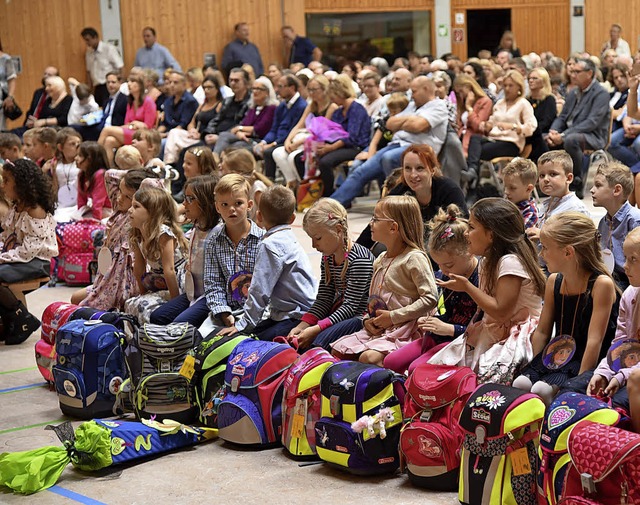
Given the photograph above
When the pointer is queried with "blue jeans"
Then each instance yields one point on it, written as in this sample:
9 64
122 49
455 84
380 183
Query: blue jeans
624 149
327 337
178 310
270 329
380 165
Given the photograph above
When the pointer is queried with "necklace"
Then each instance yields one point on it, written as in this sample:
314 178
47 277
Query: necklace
379 286
575 312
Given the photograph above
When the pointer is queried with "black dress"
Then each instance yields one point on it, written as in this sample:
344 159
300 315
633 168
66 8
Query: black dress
545 112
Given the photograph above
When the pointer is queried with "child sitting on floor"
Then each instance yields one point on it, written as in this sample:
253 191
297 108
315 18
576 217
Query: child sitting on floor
402 288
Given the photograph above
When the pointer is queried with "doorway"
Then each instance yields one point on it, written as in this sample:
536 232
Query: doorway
484 29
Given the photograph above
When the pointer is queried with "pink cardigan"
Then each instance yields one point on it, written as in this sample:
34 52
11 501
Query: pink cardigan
481 111
98 195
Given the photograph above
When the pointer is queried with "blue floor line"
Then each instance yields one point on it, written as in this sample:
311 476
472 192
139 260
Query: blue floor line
80 498
18 388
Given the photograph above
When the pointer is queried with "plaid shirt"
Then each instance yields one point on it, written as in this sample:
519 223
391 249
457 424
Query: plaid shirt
221 260
529 212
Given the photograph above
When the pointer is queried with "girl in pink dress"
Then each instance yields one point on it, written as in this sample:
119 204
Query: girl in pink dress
403 286
141 113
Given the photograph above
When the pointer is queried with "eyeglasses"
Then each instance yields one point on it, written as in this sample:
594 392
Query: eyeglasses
189 198
258 89
578 71
313 90
375 219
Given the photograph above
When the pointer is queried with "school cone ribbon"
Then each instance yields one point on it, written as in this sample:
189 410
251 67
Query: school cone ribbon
95 445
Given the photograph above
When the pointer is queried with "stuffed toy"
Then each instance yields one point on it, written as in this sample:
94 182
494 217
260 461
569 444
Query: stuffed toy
371 423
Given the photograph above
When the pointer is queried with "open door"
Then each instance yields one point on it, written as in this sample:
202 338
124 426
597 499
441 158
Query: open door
484 29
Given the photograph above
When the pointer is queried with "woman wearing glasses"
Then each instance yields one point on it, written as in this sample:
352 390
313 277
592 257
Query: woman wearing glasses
178 138
319 104
257 121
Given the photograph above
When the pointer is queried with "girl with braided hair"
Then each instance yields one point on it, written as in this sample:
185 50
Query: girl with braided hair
346 272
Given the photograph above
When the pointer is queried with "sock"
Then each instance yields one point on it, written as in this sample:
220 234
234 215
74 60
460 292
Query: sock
544 391
522 382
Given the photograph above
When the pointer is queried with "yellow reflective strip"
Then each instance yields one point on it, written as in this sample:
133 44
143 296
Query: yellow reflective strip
381 397
338 458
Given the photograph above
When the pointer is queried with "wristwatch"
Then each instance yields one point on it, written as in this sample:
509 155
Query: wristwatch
240 128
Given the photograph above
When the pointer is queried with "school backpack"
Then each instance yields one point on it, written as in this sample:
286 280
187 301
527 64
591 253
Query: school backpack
431 437
53 317
89 369
499 460
75 244
361 419
605 465
562 415
251 411
157 388
301 401
209 366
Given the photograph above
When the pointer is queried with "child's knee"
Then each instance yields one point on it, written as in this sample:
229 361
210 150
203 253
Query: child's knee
371 358
78 296
633 383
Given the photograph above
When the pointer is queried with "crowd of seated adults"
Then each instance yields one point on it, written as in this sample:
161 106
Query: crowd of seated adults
500 103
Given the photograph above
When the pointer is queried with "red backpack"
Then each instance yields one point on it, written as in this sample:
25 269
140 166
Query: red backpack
605 465
431 438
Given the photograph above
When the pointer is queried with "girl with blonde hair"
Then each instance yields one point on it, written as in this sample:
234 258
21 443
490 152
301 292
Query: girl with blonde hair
402 287
345 276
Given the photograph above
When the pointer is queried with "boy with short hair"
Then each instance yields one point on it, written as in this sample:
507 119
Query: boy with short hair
128 158
520 177
555 174
27 143
283 280
10 147
44 144
612 185
230 251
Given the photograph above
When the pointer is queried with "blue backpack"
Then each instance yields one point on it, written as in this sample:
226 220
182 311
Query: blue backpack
251 411
89 368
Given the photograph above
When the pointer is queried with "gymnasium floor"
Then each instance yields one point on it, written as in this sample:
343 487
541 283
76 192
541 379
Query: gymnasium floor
210 472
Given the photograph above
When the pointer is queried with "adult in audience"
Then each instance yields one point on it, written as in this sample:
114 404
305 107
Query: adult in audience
38 99
619 79
422 178
233 108
300 49
214 73
151 85
511 122
194 78
180 107
371 99
476 71
319 105
155 56
240 51
354 119
101 58
508 43
141 114
8 77
258 120
474 107
616 42
424 121
180 138
544 108
584 120
114 110
285 118
274 71
57 104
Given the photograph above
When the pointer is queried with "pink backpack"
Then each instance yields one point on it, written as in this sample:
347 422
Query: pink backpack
76 251
431 438
605 465
301 401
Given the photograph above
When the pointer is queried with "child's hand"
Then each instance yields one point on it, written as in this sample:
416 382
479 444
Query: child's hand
533 233
383 319
371 328
433 325
455 283
227 319
307 336
597 383
231 330
364 155
612 388
73 81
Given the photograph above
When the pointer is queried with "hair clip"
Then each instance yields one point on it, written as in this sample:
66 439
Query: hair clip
598 236
197 152
447 234
451 218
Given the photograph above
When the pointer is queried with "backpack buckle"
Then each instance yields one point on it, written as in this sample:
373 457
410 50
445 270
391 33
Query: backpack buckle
235 384
588 485
425 417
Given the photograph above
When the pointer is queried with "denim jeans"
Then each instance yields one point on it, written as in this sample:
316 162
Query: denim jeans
380 165
624 149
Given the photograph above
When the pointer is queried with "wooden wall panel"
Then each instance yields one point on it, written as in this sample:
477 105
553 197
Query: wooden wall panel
43 33
189 28
314 6
538 26
599 16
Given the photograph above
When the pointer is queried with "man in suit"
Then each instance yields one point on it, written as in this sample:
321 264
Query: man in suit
114 110
584 120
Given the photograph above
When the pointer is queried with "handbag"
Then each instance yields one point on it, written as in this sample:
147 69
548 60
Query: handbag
14 113
309 191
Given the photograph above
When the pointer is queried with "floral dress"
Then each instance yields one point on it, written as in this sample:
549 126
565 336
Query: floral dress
142 306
